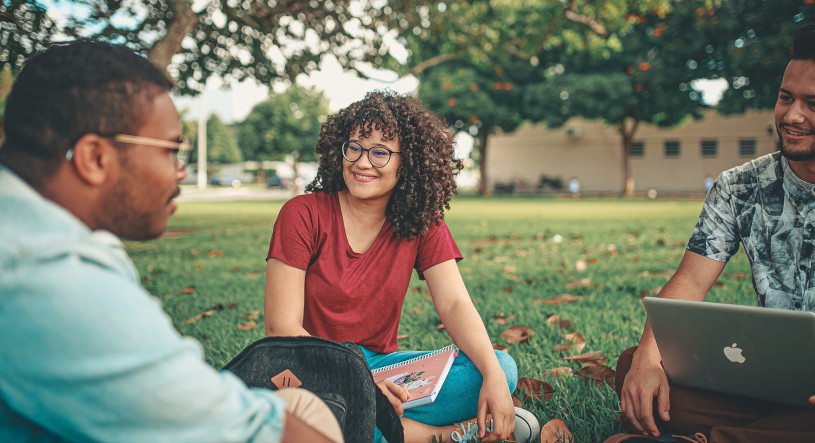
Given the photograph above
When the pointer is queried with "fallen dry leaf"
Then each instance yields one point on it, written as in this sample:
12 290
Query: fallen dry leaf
738 275
509 268
215 253
592 260
556 431
498 347
595 357
247 326
440 326
517 402
580 283
502 320
418 309
252 315
578 343
517 334
508 288
401 337
193 252
563 298
188 290
563 347
199 317
231 305
218 307
580 265
561 323
560 372
234 268
599 373
613 254
148 280
534 388
574 337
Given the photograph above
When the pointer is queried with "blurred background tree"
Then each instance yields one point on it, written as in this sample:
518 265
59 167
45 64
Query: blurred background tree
194 40
486 65
222 147
284 126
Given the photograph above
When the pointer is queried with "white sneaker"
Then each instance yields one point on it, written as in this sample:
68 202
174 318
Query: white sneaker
527 429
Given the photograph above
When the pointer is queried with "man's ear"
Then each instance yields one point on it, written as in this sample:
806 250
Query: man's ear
95 159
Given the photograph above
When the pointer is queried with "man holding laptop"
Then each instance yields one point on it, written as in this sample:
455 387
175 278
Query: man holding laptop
767 205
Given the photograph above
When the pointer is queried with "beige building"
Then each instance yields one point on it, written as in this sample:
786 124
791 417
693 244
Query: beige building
675 160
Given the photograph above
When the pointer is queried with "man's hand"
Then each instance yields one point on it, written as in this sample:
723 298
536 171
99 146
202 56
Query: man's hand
494 398
641 385
396 394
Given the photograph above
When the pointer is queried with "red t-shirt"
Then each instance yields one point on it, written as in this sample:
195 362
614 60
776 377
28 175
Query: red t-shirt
350 296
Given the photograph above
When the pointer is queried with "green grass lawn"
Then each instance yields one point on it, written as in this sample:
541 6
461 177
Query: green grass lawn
517 253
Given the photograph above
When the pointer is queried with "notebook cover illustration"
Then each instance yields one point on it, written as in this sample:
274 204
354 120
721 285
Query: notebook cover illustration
422 376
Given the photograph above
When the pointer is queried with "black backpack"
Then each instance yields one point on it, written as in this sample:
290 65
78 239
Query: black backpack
336 372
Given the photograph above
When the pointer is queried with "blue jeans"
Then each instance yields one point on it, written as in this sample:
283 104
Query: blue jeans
458 398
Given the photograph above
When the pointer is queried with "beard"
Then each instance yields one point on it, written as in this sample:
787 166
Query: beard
802 153
132 215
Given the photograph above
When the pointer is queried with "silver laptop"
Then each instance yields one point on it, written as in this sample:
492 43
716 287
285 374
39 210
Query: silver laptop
743 350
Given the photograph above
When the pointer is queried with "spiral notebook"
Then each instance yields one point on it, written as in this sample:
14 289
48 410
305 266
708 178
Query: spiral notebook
422 376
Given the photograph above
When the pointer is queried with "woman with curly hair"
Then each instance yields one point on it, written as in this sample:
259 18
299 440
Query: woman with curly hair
341 258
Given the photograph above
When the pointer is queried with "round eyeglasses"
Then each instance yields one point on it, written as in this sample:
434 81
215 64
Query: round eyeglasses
378 156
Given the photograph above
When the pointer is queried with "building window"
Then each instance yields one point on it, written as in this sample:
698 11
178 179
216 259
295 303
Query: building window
637 149
672 149
747 147
710 148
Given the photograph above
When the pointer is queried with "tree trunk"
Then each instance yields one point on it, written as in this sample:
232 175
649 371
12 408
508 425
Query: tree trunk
295 156
627 136
482 161
181 23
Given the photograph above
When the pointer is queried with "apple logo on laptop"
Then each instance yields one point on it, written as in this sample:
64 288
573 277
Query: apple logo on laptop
733 353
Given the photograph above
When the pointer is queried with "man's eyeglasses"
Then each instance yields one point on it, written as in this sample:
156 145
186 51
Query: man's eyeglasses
378 156
182 147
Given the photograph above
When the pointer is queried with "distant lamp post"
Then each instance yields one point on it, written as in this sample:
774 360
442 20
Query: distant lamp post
202 141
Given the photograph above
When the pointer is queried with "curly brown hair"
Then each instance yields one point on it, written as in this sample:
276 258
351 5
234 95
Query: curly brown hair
427 172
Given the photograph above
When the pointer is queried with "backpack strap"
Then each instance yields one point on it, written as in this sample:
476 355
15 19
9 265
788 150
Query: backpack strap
387 420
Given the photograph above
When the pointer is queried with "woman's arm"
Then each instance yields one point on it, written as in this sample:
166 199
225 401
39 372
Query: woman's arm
284 299
463 323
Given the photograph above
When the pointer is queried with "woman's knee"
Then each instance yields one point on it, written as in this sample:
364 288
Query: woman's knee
509 367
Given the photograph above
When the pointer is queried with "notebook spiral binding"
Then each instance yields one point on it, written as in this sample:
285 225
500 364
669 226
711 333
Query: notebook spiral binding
414 359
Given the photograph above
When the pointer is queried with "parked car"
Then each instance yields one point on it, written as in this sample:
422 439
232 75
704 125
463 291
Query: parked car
277 182
225 180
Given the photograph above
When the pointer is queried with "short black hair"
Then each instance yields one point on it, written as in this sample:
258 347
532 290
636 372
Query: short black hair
70 90
803 45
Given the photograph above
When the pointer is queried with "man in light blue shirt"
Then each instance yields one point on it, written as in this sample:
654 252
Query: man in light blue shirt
92 152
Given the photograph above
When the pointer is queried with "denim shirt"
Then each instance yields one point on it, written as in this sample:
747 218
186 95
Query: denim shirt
769 210
88 355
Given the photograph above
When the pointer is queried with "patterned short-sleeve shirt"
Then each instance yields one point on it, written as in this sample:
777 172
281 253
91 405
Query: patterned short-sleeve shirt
764 206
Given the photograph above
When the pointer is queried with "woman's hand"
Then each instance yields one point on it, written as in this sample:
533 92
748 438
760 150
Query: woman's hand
495 399
396 394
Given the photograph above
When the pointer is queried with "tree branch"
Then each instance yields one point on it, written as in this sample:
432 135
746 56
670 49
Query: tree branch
183 20
433 61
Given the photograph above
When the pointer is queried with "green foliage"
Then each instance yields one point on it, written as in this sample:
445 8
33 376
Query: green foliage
221 144
751 42
287 122
234 40
25 29
512 259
